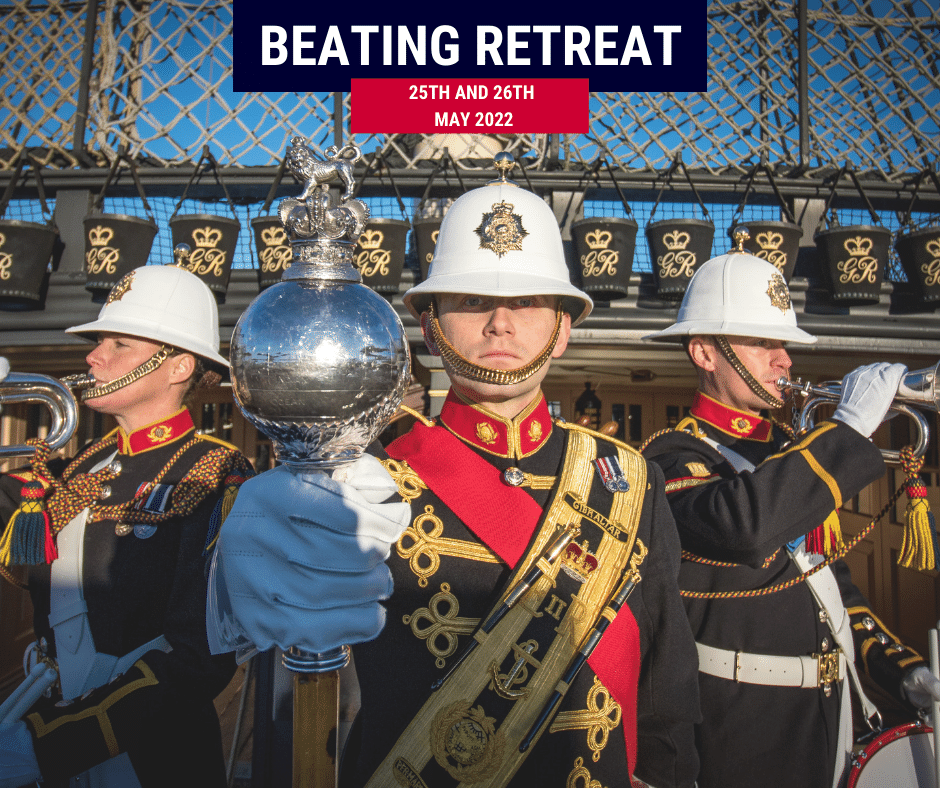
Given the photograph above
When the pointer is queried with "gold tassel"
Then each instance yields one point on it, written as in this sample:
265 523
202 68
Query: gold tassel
919 548
228 499
832 529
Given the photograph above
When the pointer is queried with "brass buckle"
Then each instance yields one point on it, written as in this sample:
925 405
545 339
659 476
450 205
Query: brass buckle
827 667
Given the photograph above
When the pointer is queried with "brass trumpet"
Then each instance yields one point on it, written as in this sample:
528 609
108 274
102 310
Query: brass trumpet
918 389
55 394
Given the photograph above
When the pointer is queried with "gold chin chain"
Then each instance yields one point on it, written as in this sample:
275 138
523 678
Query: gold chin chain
501 377
728 352
135 374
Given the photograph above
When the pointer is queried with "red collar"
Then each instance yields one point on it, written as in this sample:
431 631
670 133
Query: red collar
159 433
513 438
735 422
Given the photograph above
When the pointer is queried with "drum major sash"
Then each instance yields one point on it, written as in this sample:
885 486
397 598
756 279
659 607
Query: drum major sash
469 730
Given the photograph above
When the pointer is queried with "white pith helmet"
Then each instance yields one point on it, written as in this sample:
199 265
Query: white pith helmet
736 294
499 240
162 303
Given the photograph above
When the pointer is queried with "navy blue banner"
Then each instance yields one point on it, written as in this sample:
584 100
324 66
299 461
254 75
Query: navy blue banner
632 47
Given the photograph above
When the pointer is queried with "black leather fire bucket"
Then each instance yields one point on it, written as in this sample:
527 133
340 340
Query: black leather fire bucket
25 251
212 239
677 248
114 245
919 249
380 254
776 242
25 248
273 248
605 247
853 258
426 231
919 252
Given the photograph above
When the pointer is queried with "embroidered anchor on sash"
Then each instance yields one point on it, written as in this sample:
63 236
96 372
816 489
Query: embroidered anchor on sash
429 546
518 674
440 624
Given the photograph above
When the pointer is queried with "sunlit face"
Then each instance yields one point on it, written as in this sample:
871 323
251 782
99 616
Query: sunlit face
501 333
151 397
765 359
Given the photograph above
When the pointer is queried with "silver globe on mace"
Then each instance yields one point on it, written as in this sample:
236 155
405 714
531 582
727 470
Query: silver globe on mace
320 364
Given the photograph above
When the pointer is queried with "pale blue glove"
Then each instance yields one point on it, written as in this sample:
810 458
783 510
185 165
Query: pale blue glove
300 560
867 393
921 687
18 765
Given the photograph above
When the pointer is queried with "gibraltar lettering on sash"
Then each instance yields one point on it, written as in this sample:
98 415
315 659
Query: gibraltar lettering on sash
587 513
473 724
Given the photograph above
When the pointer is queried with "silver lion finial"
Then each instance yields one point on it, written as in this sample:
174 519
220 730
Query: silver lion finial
321 229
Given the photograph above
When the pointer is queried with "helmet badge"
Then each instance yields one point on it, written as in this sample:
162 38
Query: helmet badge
118 291
501 230
778 293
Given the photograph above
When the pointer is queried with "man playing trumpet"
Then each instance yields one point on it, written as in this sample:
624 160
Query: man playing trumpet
116 543
754 511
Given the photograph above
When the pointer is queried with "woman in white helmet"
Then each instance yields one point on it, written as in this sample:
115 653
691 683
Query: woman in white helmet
116 542
476 500
753 512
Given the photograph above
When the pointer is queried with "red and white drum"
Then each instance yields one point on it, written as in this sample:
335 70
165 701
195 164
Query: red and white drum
901 756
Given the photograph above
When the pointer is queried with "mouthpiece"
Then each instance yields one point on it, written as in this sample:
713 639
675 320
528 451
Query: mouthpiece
79 382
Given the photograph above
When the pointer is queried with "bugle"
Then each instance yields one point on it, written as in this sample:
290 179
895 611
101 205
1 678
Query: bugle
918 389
55 394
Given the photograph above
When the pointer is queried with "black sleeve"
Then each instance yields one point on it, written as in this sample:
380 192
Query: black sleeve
878 651
163 697
667 695
745 517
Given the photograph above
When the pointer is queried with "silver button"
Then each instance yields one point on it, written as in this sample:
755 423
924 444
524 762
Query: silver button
869 623
105 492
513 477
825 644
823 616
882 638
896 647
115 467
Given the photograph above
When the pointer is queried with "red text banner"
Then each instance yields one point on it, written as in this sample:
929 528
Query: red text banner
474 106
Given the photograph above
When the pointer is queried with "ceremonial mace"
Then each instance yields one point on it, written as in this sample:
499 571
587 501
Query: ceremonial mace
320 364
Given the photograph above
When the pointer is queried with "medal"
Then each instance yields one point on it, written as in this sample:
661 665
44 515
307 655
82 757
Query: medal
608 468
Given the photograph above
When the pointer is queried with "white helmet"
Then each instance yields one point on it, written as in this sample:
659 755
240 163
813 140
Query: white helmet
736 294
162 303
499 240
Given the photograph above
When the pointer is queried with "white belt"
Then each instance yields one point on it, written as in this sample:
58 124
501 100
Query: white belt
815 671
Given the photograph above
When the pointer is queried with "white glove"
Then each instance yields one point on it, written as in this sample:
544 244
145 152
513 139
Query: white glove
867 393
4 368
300 560
921 687
18 765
